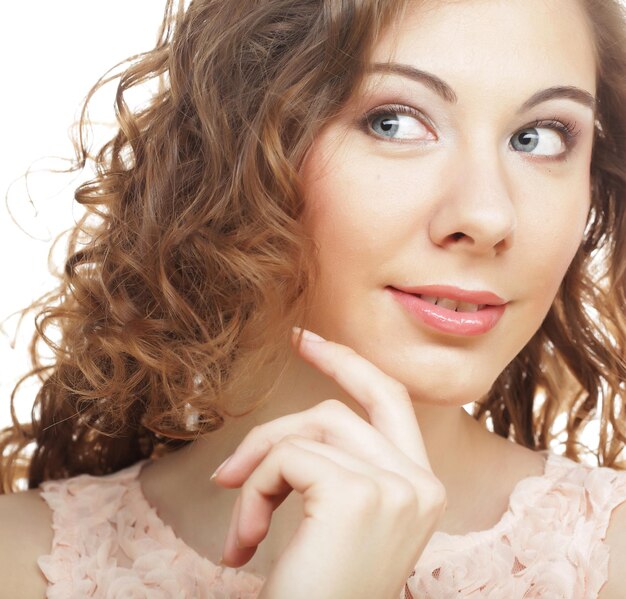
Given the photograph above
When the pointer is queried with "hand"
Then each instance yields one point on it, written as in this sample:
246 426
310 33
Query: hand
370 498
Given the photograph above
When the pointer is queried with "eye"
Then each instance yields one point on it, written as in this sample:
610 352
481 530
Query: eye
556 142
395 122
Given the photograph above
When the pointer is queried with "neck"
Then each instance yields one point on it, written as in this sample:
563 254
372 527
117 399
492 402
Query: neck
454 441
462 454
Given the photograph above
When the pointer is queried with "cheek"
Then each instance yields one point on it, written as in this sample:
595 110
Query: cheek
555 234
348 212
343 228
363 208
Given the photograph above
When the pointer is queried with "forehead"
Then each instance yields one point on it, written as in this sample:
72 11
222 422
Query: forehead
499 43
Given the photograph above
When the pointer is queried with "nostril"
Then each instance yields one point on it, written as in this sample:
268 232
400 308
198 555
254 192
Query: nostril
457 236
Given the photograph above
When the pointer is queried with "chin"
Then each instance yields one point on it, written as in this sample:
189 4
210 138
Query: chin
446 394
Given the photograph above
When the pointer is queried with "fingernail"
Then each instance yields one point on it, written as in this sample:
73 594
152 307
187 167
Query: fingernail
220 467
308 335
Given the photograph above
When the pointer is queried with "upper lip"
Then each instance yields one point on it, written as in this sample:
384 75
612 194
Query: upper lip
456 293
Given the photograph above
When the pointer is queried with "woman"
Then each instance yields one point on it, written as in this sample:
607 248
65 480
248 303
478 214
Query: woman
342 167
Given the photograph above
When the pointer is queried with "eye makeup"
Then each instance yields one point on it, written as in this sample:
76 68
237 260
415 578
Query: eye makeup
364 121
567 129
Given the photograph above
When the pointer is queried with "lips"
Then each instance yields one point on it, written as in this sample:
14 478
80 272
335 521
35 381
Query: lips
456 294
446 320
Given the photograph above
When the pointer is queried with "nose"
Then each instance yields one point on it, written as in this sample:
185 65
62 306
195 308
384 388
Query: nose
475 213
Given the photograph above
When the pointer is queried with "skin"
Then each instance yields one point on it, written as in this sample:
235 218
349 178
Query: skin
453 203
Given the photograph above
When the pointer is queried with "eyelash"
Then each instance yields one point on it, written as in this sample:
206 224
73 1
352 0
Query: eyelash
566 128
369 116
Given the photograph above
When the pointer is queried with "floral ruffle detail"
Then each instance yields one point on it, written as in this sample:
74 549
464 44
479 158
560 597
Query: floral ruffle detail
109 543
549 544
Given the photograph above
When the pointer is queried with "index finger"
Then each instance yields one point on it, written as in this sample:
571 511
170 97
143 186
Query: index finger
386 400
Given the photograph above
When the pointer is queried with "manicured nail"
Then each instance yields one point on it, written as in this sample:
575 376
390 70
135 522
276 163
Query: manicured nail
308 335
220 467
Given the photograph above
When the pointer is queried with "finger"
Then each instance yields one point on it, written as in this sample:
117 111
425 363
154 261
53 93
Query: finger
243 553
288 466
262 494
330 422
267 488
386 401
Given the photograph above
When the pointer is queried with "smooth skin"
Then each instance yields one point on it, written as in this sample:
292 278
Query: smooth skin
369 482
450 194
466 191
453 202
455 194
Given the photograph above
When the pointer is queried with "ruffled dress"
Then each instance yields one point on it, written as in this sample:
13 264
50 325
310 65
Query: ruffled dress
109 542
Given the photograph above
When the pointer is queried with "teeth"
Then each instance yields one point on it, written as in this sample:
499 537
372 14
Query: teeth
467 307
444 302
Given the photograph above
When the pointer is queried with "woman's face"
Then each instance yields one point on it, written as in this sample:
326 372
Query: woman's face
454 183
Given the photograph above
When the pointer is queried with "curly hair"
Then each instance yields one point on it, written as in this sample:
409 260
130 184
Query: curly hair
575 364
190 266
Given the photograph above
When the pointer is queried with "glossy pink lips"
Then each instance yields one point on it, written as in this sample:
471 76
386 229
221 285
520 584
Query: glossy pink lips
449 321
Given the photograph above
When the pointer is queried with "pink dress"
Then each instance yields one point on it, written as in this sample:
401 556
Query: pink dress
109 542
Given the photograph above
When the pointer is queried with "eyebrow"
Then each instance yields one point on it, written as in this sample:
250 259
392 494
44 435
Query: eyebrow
439 86
442 89
568 92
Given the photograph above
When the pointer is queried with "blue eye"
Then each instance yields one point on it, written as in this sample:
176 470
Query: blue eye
528 139
395 122
389 125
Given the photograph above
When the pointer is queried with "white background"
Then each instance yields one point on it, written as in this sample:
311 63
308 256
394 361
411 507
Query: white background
51 54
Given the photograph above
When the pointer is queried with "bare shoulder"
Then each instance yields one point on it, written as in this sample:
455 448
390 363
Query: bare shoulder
26 525
616 541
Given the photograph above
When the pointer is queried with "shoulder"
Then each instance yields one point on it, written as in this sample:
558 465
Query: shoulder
26 524
616 543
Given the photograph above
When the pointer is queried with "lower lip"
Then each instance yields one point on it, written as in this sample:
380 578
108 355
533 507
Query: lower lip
449 321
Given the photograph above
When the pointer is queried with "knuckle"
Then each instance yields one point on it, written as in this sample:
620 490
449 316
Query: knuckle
253 434
254 431
280 448
334 407
257 438
290 439
399 388
286 441
350 353
403 495
435 496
